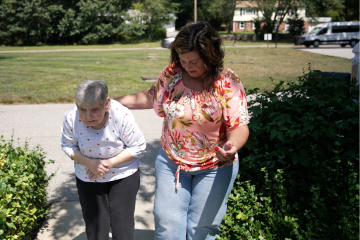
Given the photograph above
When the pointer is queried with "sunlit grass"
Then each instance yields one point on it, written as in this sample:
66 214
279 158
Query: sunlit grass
53 76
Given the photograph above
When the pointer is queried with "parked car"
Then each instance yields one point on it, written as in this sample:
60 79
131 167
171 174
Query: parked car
342 33
166 42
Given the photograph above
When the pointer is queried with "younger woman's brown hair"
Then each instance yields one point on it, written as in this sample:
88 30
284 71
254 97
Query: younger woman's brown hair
204 39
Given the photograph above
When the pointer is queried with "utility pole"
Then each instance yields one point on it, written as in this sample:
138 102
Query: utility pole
195 11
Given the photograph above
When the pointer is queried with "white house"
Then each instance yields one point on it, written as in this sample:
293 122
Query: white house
138 16
246 12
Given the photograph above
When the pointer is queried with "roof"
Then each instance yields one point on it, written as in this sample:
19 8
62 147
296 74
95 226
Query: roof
246 4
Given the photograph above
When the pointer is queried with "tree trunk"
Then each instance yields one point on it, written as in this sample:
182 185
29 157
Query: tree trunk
233 6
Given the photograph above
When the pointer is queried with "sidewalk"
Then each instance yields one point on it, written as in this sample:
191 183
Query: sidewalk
41 125
65 222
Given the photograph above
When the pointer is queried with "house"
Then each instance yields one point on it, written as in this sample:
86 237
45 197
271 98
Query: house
246 12
170 27
138 16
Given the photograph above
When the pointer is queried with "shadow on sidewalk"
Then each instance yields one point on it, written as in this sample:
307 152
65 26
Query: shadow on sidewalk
66 221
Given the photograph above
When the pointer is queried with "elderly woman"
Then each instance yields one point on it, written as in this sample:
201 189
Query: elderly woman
205 123
104 141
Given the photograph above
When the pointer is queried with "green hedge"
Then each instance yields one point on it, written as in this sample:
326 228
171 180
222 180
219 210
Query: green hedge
23 182
298 175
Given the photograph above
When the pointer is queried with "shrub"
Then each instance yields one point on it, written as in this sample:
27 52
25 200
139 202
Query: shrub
23 182
298 175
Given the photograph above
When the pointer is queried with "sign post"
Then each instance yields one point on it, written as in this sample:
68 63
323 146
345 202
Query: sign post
268 36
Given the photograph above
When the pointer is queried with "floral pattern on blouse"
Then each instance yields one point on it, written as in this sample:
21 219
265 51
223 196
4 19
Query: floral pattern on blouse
195 122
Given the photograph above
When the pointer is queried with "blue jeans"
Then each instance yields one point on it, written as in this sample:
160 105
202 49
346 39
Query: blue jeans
196 209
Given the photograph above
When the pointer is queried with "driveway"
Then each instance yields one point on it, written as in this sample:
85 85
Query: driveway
330 50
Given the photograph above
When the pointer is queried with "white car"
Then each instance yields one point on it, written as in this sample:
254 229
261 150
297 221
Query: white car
166 42
342 33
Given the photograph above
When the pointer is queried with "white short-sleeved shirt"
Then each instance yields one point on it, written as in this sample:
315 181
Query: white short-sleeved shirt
119 132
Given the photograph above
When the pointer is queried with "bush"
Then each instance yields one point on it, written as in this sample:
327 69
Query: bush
298 175
296 26
23 182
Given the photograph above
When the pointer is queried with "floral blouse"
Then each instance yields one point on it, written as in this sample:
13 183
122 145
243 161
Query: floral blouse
195 122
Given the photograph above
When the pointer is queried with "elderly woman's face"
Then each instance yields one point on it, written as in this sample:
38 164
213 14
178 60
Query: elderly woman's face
94 116
193 64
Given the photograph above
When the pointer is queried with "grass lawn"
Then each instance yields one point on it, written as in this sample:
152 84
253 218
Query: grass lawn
28 78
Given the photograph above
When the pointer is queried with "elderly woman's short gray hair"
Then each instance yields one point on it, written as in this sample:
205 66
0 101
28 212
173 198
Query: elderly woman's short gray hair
91 93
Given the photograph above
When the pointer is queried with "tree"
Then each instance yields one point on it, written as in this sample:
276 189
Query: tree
155 13
274 13
92 21
338 10
184 12
27 21
215 12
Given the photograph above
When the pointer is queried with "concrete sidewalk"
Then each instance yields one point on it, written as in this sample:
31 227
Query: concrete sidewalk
65 222
41 125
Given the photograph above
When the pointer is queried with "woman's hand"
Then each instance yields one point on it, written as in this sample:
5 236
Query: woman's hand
102 166
97 168
227 152
236 140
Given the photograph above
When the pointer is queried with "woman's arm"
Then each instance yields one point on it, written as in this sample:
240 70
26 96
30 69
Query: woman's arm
140 100
94 166
99 167
122 158
236 140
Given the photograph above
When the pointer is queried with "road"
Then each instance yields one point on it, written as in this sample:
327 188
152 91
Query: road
330 50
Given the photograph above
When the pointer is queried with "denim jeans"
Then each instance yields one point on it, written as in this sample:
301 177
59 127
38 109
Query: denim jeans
196 209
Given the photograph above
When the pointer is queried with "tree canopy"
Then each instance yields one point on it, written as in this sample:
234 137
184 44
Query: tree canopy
38 22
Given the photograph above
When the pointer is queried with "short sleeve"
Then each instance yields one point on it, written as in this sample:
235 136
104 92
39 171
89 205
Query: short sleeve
161 89
129 132
235 109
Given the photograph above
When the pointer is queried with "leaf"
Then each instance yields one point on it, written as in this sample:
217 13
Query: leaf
178 95
293 182
303 158
207 116
10 225
187 123
174 124
273 133
295 157
218 119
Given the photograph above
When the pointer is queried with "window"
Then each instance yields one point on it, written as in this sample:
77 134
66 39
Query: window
342 29
354 28
253 25
241 25
248 12
323 31
292 11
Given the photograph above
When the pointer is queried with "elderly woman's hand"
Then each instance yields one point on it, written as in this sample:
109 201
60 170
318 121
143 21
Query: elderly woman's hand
227 152
97 168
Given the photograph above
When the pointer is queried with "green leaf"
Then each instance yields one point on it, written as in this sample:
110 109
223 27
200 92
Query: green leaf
273 133
10 225
303 158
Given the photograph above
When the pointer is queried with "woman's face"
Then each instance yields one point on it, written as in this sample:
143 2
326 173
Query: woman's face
94 116
193 64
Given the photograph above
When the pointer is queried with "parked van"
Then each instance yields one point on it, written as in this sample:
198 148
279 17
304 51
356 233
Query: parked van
342 33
